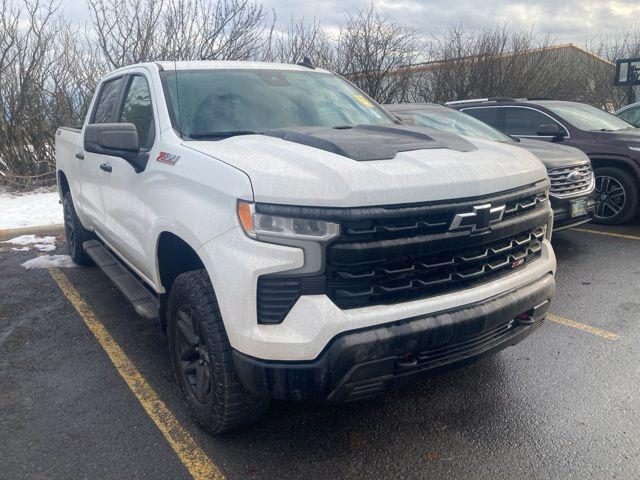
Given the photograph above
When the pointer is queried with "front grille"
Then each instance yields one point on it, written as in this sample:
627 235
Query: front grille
412 221
352 284
571 180
393 254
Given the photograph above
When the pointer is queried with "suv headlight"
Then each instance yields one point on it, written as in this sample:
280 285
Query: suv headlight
269 228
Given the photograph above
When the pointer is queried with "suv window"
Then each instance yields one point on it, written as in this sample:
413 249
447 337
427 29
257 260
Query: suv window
488 115
137 109
105 107
631 115
525 121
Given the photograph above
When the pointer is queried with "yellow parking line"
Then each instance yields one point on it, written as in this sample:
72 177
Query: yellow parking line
191 455
583 327
609 234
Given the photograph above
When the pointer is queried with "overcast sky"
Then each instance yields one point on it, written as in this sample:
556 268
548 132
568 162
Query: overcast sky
565 20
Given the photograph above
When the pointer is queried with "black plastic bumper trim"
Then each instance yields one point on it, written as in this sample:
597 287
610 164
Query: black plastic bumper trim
562 218
369 361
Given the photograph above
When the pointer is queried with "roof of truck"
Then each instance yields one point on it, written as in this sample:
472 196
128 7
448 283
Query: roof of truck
227 65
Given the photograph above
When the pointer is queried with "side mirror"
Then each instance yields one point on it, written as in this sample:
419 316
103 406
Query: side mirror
551 130
115 139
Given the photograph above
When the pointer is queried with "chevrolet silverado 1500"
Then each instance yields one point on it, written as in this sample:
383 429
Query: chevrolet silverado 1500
297 241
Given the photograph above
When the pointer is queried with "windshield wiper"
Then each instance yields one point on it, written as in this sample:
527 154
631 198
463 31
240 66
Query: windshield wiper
227 134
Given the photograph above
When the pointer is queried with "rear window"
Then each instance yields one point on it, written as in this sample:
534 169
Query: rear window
487 115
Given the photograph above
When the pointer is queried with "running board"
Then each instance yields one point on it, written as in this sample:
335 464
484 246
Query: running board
144 302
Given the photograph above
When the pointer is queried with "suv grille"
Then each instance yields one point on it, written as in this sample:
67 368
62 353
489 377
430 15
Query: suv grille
393 254
571 180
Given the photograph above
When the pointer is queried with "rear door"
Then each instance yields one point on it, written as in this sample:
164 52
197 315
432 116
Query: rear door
126 215
92 174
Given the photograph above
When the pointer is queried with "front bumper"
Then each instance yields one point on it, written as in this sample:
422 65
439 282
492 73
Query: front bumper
562 211
369 361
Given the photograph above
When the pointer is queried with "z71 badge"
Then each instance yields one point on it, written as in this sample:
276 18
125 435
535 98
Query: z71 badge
168 158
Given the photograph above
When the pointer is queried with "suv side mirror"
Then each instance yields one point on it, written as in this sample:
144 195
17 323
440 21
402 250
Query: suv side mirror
551 130
116 139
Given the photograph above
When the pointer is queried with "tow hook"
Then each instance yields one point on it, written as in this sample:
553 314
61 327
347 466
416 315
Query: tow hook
525 318
408 360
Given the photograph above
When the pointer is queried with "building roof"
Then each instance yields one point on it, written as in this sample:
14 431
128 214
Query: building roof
435 64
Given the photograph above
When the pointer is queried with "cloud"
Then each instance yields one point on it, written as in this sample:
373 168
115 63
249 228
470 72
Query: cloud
567 21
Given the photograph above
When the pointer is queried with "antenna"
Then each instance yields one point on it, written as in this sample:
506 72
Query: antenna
306 62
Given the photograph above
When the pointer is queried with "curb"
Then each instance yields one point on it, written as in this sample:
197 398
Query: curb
37 230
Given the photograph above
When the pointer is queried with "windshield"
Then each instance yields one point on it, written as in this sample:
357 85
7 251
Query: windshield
586 117
452 121
220 103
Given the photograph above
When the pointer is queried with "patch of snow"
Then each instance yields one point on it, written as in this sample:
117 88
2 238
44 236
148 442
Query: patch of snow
48 261
29 209
42 244
44 247
32 239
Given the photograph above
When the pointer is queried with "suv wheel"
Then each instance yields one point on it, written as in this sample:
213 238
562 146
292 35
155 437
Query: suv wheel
202 360
616 196
75 233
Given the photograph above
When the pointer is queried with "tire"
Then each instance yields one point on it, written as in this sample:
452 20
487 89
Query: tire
74 231
201 357
616 196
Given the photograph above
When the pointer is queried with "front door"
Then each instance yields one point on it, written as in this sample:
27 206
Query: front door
125 213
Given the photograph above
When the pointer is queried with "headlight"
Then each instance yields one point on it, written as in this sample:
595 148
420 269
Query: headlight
262 226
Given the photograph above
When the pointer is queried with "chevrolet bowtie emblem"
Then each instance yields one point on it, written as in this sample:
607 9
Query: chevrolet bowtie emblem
479 220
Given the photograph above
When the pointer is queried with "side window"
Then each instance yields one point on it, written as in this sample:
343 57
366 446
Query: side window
137 109
488 115
631 115
525 121
107 101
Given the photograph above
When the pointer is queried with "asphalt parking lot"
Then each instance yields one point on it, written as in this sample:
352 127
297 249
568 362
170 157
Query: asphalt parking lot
86 391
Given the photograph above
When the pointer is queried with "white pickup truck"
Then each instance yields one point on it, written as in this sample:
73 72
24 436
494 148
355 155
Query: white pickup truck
295 239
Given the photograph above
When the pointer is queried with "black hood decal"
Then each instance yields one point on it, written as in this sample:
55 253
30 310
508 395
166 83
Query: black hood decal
371 142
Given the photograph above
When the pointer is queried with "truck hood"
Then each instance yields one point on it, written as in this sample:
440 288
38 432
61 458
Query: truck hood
552 154
285 172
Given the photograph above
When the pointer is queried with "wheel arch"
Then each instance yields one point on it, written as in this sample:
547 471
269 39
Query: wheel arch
63 184
623 163
174 256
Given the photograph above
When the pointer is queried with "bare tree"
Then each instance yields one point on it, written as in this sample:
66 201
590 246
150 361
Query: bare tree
300 39
374 52
29 31
131 31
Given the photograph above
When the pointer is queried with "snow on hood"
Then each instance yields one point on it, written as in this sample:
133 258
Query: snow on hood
289 173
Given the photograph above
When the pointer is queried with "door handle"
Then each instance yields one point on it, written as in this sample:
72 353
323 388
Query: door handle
106 167
80 156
